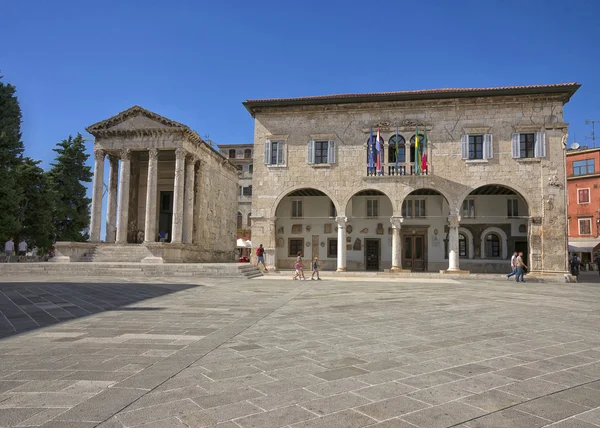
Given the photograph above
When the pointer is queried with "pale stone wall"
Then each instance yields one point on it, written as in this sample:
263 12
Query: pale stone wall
449 174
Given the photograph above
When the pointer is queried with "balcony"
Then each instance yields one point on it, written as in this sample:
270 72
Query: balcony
390 170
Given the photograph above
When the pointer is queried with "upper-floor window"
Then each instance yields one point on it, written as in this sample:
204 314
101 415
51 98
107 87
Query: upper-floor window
585 226
248 191
529 145
274 153
583 167
231 153
250 168
239 190
468 208
492 245
512 208
248 154
583 196
396 149
413 208
321 152
475 147
239 220
249 220
372 208
297 209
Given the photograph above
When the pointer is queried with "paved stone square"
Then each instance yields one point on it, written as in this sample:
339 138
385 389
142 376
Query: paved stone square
270 353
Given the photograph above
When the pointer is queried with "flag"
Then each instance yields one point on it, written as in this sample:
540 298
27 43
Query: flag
370 149
378 148
417 153
424 156
397 144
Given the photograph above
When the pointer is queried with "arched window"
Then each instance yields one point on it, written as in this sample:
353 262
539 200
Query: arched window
248 154
231 153
413 142
239 220
492 245
392 144
462 246
372 145
249 220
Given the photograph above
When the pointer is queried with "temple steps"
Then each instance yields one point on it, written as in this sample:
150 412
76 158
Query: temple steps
125 269
116 253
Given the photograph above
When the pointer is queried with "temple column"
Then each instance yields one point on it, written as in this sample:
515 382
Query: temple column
453 223
396 243
98 188
111 203
123 206
341 244
188 210
151 189
178 189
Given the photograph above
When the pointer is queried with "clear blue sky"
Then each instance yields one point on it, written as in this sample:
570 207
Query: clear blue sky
78 62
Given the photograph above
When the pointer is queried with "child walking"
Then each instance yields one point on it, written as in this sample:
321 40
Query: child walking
315 269
299 271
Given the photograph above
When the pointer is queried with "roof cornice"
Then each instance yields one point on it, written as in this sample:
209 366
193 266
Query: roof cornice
567 89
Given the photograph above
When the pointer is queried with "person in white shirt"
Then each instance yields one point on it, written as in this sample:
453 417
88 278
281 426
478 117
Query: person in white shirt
23 248
9 247
513 265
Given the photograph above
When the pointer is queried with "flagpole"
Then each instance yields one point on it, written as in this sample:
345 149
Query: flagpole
397 144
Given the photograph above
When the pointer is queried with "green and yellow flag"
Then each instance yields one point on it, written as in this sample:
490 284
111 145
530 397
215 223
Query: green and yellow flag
417 153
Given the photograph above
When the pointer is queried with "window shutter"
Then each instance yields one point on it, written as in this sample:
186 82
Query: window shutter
539 150
488 146
331 152
267 152
464 143
516 146
311 152
281 153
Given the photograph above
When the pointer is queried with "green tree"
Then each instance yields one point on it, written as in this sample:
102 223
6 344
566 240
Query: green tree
36 208
11 154
71 214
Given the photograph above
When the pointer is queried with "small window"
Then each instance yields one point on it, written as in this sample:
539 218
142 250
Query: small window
248 154
512 208
240 191
468 208
414 208
274 153
248 191
585 226
239 220
231 153
396 149
526 145
332 248
492 245
462 245
295 246
583 167
332 210
420 208
321 151
372 208
475 146
296 209
583 196
250 168
249 220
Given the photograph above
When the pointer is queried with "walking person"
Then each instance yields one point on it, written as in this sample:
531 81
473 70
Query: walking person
513 265
315 269
9 248
22 250
597 260
575 265
260 257
521 266
299 263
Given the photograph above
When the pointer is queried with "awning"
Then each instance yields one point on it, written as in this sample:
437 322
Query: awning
583 246
248 244
240 243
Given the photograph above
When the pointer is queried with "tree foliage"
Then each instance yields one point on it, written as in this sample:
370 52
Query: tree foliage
11 156
71 213
35 210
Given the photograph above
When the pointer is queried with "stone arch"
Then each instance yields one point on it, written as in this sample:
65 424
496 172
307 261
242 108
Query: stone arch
294 188
503 242
347 200
519 191
471 243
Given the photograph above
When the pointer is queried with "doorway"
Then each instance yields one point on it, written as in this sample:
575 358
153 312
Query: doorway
413 253
522 246
165 218
372 254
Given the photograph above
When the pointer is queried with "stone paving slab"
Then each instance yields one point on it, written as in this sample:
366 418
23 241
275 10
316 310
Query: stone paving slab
357 352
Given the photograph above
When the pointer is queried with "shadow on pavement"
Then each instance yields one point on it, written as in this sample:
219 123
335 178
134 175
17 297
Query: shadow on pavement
29 306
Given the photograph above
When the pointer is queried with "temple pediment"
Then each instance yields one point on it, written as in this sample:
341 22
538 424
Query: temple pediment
134 119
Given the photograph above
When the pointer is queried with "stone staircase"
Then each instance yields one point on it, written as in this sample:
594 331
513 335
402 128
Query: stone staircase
112 269
116 253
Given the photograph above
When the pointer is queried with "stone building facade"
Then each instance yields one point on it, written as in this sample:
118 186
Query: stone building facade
492 180
168 193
